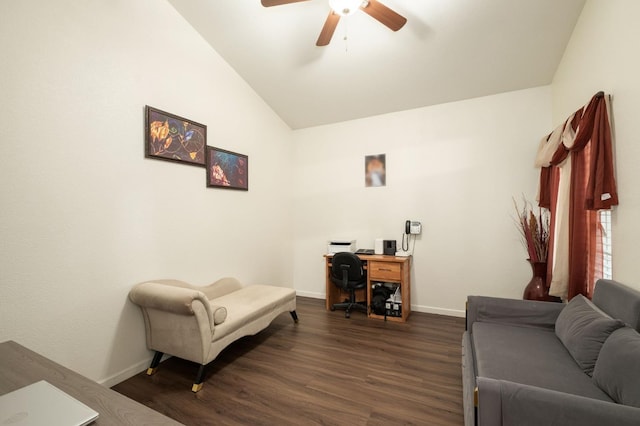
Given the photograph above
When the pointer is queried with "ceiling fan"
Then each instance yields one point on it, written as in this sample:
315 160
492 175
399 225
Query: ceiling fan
373 8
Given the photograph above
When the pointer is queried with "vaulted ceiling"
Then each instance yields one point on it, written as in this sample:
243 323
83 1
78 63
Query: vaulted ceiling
448 50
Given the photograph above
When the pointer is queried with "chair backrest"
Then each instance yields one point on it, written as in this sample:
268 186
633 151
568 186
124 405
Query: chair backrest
347 270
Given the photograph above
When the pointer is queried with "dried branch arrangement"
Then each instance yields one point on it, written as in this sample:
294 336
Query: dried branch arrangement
534 230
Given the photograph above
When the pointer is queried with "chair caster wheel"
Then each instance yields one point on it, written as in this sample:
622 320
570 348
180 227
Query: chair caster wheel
332 308
347 315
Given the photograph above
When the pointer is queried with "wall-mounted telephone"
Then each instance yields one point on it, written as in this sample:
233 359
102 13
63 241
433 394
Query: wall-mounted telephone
412 227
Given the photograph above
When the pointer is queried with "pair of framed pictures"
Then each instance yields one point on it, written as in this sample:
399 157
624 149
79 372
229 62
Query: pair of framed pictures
173 138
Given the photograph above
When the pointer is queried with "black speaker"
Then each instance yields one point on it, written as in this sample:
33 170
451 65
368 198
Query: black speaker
389 247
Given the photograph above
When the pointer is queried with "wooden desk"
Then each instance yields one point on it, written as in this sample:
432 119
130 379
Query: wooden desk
20 367
380 268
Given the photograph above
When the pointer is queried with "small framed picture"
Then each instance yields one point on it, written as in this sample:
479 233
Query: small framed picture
226 169
375 173
173 138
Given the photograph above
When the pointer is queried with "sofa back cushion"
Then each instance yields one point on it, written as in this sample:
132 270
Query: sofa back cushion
583 328
617 371
619 301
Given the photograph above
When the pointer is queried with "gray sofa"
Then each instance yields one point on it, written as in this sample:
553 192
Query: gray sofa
540 363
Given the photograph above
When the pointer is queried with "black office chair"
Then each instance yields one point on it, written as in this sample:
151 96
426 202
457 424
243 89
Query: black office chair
348 274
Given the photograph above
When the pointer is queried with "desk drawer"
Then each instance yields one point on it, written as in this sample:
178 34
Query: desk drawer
385 270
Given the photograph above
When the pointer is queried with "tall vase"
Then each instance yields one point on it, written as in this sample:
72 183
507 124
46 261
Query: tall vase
537 288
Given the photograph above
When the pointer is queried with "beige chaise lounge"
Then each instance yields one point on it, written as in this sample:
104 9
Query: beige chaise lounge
197 323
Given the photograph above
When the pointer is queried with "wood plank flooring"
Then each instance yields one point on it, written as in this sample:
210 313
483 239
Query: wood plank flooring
325 370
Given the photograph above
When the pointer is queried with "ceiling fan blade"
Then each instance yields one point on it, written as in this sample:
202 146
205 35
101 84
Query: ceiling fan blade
384 15
269 3
327 30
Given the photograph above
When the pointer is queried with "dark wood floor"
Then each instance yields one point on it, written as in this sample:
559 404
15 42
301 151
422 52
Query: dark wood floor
325 370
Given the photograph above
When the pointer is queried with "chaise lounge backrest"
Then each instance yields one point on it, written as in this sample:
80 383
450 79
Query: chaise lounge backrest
619 301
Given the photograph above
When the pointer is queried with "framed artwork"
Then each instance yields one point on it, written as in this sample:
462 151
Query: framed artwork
226 169
173 138
375 173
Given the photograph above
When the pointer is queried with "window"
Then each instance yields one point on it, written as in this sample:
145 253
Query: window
605 223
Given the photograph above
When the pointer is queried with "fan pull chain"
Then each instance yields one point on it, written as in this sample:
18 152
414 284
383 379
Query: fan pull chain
345 38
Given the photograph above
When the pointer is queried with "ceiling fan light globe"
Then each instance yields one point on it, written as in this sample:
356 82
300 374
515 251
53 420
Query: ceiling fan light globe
345 7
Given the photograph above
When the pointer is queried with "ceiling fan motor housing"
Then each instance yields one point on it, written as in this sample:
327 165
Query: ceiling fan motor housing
345 7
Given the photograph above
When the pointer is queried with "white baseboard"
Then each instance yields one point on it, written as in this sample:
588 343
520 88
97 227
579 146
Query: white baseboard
311 294
416 308
127 373
438 311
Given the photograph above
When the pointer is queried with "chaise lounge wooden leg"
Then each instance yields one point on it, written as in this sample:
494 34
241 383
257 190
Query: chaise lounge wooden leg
294 315
199 377
154 363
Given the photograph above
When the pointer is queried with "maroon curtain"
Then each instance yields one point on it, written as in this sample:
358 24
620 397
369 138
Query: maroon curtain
592 188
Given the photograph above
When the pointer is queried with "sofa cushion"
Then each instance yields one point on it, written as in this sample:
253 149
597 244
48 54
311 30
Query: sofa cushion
251 303
583 327
617 370
530 356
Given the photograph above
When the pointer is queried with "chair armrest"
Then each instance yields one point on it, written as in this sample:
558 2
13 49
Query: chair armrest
530 313
511 404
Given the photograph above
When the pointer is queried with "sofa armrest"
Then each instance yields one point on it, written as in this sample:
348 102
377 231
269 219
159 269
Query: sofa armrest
529 313
506 403
168 298
468 380
179 320
221 287
163 296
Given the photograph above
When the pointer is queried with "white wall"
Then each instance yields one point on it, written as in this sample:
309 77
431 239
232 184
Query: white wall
84 215
454 167
602 55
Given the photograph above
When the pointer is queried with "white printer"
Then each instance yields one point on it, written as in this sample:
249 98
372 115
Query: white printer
336 246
